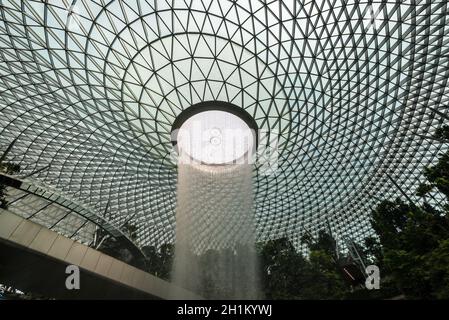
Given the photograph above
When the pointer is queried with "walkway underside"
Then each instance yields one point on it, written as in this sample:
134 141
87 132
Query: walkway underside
34 259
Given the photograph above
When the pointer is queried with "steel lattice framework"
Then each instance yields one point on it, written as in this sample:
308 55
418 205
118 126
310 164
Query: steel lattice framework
353 90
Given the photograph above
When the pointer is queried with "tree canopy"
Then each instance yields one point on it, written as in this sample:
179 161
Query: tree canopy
412 245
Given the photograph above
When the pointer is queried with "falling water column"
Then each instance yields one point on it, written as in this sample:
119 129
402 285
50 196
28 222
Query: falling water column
215 232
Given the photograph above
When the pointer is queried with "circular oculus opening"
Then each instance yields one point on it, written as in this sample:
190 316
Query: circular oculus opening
214 133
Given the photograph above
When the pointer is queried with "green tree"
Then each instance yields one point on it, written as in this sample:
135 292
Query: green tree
159 262
413 242
6 168
289 274
166 256
326 279
412 246
284 270
437 175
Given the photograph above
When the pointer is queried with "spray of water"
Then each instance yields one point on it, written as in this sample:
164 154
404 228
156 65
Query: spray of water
215 232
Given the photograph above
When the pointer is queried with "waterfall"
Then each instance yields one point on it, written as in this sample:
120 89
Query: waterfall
215 252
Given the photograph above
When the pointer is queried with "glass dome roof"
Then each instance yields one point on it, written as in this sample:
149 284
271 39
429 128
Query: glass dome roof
352 90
